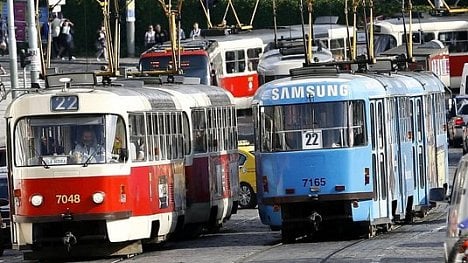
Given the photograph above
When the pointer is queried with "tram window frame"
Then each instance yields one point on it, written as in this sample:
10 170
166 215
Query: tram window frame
235 61
199 130
253 58
137 136
412 122
456 41
375 187
337 48
422 168
383 177
372 123
284 131
149 137
59 142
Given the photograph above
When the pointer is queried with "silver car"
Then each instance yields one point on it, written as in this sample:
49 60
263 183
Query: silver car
456 242
456 124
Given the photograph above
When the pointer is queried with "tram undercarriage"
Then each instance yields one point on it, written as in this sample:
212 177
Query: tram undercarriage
310 218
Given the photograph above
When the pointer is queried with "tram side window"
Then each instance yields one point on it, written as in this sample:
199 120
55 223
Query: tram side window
137 137
253 58
337 48
428 36
456 41
235 61
199 131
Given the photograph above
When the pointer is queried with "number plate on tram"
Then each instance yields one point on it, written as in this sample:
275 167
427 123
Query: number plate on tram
64 103
312 139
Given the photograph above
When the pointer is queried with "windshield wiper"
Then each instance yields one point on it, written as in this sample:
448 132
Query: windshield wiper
98 147
44 163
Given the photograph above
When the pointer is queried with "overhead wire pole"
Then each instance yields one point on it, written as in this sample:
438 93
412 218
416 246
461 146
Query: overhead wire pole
171 15
354 50
32 39
116 37
275 26
371 32
348 37
39 40
12 49
311 32
207 14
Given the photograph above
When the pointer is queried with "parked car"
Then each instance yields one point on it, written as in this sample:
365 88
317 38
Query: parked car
456 242
248 186
458 117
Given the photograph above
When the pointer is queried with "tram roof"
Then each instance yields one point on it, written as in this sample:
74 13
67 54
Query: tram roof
124 96
346 86
432 23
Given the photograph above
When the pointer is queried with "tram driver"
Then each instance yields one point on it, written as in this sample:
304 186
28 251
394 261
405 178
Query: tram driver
87 150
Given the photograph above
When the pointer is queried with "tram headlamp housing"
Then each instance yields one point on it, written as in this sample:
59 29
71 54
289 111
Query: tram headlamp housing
98 197
37 199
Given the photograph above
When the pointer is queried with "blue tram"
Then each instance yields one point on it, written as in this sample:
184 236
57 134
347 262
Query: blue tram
358 148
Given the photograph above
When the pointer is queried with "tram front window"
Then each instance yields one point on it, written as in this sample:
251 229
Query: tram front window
89 139
383 42
313 126
192 65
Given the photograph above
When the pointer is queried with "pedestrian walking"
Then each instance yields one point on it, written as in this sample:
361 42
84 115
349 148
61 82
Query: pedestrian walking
3 36
149 37
181 34
66 40
101 44
55 25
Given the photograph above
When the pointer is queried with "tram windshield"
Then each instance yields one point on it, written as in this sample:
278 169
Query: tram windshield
193 65
84 139
312 126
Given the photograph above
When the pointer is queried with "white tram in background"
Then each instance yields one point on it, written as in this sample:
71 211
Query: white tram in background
452 31
166 164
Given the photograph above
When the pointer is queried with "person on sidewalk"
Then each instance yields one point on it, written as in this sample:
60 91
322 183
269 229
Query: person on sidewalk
101 44
196 31
66 39
149 37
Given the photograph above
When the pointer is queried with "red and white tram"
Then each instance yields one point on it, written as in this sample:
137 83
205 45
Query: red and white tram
160 158
228 61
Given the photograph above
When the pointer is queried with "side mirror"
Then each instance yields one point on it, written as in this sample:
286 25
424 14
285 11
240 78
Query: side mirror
3 202
437 194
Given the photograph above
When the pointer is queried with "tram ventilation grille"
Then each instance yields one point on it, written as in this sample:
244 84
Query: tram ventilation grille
321 71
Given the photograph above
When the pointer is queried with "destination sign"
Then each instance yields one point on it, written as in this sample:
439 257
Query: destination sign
64 103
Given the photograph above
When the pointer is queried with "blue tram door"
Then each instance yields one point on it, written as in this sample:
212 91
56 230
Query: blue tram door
419 160
381 208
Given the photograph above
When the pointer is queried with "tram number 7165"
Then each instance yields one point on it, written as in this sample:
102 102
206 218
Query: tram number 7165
314 181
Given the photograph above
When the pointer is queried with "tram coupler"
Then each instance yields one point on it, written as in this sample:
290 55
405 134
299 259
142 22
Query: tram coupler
69 240
315 218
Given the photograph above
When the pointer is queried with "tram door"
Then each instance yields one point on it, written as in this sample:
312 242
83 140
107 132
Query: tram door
419 160
379 163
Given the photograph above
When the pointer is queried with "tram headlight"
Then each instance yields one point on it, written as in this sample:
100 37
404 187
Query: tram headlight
36 200
98 197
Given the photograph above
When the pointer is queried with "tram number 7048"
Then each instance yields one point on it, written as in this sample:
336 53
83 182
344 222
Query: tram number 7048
314 181
68 199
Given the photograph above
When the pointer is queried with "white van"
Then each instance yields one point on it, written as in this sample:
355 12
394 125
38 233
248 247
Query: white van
464 79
